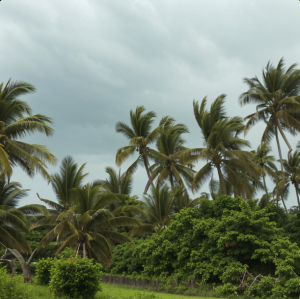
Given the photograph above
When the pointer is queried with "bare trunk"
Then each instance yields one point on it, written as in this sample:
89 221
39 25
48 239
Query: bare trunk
297 195
284 137
77 250
11 264
284 204
83 250
281 163
279 149
25 266
171 182
222 181
149 176
265 185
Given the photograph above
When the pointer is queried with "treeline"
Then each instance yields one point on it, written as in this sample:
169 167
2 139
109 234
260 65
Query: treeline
94 217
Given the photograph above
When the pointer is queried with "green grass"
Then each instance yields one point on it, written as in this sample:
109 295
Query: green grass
110 291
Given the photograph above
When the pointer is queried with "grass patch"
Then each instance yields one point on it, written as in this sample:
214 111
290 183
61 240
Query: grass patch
109 291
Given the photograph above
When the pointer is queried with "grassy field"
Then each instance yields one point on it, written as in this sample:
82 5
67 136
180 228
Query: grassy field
110 291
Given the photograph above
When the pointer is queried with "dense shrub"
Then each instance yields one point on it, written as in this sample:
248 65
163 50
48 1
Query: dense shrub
11 288
42 270
216 243
76 278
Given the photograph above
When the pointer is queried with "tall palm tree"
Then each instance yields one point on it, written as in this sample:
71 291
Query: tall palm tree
265 162
140 136
17 122
278 102
88 225
168 160
223 149
69 177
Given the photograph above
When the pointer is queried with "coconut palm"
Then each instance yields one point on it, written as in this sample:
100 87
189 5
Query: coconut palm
12 223
168 159
88 226
265 162
223 150
140 136
10 192
17 122
278 102
69 177
292 172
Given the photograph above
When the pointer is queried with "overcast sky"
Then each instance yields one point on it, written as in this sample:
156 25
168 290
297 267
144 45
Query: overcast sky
92 61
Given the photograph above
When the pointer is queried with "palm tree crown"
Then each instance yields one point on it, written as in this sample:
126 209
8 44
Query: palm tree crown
278 102
17 122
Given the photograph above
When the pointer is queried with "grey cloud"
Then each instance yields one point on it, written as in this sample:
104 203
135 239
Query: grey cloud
92 61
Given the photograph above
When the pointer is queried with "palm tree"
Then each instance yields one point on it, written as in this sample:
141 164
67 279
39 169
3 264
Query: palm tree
88 225
223 149
10 192
69 177
292 172
140 136
117 183
159 206
16 122
278 102
168 160
12 223
183 200
266 162
121 184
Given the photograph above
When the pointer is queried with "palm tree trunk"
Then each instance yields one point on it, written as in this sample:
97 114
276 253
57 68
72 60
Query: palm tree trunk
222 181
297 196
171 182
284 137
284 204
83 250
265 185
281 162
279 149
149 176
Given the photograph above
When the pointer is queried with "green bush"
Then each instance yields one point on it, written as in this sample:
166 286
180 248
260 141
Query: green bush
42 270
75 278
11 288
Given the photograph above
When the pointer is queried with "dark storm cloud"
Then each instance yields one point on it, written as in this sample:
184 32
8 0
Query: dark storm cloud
93 61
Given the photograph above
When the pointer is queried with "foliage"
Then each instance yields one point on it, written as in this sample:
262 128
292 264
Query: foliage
43 267
16 122
88 225
10 287
75 278
216 243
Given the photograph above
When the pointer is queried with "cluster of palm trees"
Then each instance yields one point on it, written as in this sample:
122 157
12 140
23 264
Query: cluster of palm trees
92 217
240 172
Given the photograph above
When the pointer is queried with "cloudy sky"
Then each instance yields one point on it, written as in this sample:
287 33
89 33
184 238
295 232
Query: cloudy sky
94 60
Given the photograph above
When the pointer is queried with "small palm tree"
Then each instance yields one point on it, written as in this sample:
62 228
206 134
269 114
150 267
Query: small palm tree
17 122
140 136
223 149
88 226
159 206
292 172
168 159
69 177
265 162
278 102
